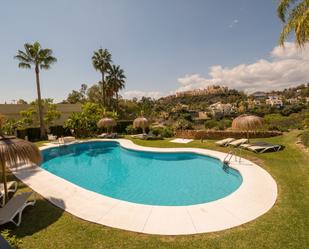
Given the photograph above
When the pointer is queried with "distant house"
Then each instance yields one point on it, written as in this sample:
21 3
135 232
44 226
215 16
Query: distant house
198 92
293 101
219 110
259 95
253 103
274 101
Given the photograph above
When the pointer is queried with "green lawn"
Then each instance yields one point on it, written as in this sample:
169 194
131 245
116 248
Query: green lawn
286 225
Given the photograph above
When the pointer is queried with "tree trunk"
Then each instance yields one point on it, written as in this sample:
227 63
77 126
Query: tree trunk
117 101
40 107
103 90
6 197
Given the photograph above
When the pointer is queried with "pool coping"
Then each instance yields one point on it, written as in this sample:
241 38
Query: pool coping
255 196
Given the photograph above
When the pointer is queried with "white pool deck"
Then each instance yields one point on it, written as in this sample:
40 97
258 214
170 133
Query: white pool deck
256 195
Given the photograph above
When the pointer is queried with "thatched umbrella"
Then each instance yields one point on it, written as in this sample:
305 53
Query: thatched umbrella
14 151
247 123
106 123
141 122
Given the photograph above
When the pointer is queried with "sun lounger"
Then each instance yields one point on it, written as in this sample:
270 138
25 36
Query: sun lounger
65 140
103 135
238 142
225 142
11 186
51 138
139 136
261 147
14 208
4 244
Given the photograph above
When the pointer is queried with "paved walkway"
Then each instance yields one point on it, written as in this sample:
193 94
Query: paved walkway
256 195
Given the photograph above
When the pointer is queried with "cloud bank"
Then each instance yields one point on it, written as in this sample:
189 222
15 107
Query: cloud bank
288 66
139 94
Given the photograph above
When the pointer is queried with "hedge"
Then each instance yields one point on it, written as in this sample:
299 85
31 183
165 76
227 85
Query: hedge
33 133
213 134
59 131
122 125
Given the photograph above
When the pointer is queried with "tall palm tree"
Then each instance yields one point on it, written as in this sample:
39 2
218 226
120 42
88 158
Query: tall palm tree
295 16
101 61
116 80
39 58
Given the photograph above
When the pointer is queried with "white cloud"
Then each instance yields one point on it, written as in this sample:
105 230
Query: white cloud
139 94
288 66
234 22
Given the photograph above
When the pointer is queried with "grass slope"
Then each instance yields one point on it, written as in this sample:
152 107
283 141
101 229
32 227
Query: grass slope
284 226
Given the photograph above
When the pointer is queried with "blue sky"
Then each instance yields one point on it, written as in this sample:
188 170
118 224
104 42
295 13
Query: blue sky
163 45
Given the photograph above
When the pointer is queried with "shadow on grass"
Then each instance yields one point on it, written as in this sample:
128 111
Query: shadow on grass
36 218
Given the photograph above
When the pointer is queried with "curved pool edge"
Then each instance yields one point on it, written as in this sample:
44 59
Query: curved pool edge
255 196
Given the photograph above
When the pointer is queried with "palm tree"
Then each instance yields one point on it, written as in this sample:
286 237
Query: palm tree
101 60
295 16
116 80
39 58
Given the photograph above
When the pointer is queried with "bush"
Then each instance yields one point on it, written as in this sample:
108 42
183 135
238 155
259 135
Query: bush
122 126
183 124
131 130
211 124
59 131
33 133
224 123
163 131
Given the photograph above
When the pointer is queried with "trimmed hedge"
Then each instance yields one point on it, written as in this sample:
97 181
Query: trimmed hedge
122 125
213 134
59 131
33 133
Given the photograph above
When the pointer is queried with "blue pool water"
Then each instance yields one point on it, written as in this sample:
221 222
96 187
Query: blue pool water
169 179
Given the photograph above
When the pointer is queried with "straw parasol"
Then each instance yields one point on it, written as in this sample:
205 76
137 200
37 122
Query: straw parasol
106 123
141 122
14 151
247 123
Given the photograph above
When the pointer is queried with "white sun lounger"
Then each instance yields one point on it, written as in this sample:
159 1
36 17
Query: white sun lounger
261 147
11 186
225 142
66 140
14 207
238 142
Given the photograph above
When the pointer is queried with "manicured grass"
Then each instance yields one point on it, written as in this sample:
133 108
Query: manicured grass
284 226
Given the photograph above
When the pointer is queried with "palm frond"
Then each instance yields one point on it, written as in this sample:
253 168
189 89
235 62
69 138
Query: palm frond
283 7
24 65
297 21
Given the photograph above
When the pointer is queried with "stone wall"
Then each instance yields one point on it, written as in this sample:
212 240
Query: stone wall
213 134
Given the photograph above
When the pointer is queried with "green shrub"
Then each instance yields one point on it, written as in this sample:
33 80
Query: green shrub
211 124
131 130
59 131
163 131
224 124
183 124
122 126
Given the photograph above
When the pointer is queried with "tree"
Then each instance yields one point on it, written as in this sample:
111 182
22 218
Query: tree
295 16
116 80
35 56
21 102
101 61
78 96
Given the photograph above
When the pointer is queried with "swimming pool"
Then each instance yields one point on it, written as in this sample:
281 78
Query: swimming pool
153 178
